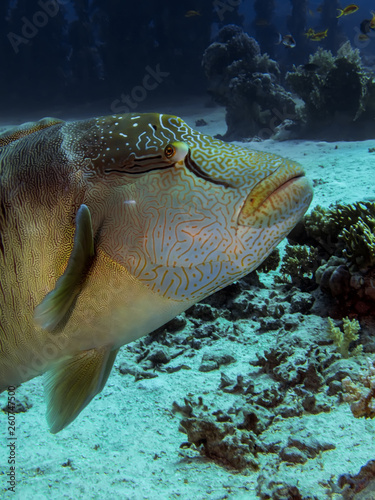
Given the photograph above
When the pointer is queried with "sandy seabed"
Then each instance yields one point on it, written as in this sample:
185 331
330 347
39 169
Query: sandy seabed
126 443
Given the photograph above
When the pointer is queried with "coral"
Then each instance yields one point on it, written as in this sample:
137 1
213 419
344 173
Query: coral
353 56
299 263
345 230
334 248
276 489
229 439
361 396
342 339
246 82
339 91
344 236
316 224
360 241
213 360
292 363
361 485
271 263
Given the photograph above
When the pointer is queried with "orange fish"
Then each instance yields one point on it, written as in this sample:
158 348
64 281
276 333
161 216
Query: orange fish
309 33
317 37
350 9
192 13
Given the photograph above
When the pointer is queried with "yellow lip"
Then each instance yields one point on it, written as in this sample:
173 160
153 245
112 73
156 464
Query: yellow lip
277 191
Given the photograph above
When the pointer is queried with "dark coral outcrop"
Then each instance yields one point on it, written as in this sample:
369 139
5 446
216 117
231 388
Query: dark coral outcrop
246 82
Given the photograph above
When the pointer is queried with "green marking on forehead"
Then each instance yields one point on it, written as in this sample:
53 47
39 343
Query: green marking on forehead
133 143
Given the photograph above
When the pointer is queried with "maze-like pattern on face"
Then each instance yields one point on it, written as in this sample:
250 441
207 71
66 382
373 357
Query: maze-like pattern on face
189 221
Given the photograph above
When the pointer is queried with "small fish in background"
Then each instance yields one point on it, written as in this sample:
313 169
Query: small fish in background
362 37
309 33
286 40
350 9
192 13
365 26
262 22
372 21
317 37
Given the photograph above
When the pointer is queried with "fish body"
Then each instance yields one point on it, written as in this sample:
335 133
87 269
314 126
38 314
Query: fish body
287 40
110 227
320 35
365 26
192 13
350 9
309 33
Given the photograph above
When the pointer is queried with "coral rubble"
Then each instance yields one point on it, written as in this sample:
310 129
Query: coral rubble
361 395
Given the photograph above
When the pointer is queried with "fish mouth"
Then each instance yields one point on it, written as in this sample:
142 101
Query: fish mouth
277 195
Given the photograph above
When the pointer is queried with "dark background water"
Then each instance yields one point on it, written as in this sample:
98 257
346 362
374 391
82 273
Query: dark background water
60 54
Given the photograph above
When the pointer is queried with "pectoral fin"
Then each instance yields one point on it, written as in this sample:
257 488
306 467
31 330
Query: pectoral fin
74 382
56 304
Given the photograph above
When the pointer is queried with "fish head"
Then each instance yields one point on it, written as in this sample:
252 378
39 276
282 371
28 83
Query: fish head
186 214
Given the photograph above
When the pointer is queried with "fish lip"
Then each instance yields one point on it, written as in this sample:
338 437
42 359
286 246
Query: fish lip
284 185
266 187
266 190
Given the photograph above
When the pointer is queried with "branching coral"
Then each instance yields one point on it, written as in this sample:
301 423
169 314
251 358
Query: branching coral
343 339
362 396
346 230
271 263
299 263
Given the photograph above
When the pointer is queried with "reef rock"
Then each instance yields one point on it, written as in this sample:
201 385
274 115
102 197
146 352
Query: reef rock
246 83
338 95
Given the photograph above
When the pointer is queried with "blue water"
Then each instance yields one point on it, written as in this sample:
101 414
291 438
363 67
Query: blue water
61 52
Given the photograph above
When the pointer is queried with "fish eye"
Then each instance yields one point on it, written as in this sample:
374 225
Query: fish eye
169 151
